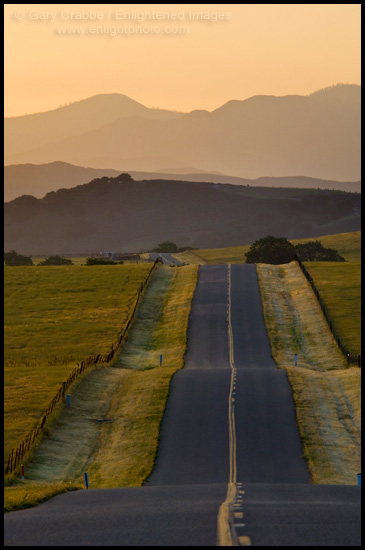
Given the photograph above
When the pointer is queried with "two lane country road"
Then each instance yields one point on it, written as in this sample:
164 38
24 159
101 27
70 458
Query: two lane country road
229 422
195 430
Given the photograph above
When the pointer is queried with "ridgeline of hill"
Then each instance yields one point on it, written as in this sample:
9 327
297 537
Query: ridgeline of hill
318 135
39 179
119 214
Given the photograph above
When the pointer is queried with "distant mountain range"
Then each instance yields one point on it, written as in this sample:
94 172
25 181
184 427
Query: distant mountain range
39 179
316 136
119 215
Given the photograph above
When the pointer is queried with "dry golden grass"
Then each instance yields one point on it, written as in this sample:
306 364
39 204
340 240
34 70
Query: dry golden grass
328 414
339 285
55 317
326 392
140 403
291 306
347 244
120 452
27 495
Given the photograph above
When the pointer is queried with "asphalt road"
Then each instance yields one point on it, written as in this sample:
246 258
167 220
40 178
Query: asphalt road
178 506
165 257
147 516
194 435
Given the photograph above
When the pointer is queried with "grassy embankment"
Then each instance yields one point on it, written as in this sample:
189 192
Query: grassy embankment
326 392
55 317
131 397
347 244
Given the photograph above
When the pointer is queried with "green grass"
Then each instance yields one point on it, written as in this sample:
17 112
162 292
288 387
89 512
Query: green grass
339 285
54 317
27 495
133 397
327 394
347 244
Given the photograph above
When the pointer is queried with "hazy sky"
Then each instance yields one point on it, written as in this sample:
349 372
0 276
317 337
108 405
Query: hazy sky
175 56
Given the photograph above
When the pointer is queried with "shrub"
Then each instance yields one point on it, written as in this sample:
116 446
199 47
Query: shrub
314 251
56 260
97 261
13 258
166 246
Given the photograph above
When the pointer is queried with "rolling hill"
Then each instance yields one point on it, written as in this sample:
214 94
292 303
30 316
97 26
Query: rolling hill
39 179
119 214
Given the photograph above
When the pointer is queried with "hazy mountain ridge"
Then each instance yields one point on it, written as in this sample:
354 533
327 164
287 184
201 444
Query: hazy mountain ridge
39 179
110 214
316 135
30 131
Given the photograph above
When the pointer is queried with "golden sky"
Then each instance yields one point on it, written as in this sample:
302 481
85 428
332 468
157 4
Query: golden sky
175 56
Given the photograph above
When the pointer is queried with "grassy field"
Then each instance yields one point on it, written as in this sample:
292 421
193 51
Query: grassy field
55 317
327 394
339 285
133 395
347 244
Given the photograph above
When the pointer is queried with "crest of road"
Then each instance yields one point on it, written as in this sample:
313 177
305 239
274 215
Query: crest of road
229 469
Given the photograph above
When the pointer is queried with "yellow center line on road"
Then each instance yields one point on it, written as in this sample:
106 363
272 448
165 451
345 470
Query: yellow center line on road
231 418
224 523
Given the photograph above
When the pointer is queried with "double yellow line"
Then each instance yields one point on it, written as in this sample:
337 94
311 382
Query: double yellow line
225 516
224 530
231 417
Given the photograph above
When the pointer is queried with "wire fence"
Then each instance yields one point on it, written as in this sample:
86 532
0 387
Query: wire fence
350 357
16 455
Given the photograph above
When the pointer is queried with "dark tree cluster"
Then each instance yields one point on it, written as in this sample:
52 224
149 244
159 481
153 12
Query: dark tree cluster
56 260
278 250
100 261
313 251
166 246
271 250
13 258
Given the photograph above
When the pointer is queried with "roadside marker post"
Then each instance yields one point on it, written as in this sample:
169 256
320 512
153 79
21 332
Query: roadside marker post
86 480
295 359
160 360
359 480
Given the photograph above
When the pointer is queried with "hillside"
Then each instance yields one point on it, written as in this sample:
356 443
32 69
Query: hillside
39 179
23 133
316 136
114 214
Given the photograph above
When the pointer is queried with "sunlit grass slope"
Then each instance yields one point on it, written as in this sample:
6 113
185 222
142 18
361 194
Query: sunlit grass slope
327 393
339 285
347 244
129 391
54 317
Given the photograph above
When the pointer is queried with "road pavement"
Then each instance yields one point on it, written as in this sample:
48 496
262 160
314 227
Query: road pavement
165 258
